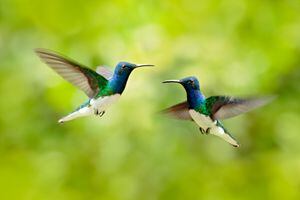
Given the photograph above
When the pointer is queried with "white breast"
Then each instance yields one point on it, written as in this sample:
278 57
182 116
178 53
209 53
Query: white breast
202 120
206 122
103 103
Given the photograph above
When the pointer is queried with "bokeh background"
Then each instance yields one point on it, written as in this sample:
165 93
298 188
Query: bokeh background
240 48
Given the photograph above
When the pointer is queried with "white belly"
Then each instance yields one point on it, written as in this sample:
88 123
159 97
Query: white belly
102 103
202 120
206 122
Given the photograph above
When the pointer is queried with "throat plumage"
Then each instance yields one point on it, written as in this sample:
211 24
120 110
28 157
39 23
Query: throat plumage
195 98
118 82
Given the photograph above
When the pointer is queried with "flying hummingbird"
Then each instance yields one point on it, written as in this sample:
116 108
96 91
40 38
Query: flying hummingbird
103 87
206 112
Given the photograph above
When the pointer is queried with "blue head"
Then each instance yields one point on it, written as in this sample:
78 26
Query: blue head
192 87
121 74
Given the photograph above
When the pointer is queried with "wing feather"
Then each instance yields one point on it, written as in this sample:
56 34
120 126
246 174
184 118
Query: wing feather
223 107
84 78
179 111
105 72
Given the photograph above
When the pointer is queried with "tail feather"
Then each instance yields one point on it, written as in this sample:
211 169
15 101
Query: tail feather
230 139
67 117
82 112
225 135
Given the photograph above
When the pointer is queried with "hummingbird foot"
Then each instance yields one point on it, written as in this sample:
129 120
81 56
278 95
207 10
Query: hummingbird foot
101 113
96 112
201 130
207 131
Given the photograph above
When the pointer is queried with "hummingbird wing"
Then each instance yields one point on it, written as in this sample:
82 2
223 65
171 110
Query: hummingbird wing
84 78
105 72
223 107
179 111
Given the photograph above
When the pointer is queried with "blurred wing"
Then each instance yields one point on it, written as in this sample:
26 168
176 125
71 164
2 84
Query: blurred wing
105 72
223 107
84 78
179 111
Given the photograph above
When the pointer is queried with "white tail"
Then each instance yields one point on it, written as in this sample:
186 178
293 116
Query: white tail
228 138
85 111
222 133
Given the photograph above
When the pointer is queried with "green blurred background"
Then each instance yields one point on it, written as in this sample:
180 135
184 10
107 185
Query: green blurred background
240 48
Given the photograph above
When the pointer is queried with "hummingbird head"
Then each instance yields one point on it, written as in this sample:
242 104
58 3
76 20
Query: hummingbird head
121 74
125 68
192 87
189 83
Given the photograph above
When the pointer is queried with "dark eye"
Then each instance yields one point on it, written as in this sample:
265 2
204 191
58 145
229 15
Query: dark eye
191 82
123 67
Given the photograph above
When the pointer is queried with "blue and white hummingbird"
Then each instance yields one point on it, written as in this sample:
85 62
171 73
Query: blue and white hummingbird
103 87
206 112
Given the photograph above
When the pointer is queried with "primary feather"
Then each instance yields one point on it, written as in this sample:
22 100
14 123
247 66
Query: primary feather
84 78
105 72
223 107
179 111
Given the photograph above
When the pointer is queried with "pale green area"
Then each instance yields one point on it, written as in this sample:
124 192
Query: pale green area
235 47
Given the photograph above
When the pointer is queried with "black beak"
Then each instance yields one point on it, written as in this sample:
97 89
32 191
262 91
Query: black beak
172 81
143 65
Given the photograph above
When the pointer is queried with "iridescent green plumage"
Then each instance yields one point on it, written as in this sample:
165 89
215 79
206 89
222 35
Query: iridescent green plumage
106 91
203 109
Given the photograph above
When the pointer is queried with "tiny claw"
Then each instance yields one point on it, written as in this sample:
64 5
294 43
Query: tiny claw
101 113
201 130
207 131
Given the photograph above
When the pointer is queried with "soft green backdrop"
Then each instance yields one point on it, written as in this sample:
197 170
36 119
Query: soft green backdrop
235 47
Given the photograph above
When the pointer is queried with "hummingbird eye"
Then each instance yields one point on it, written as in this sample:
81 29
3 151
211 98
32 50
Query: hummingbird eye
192 83
123 66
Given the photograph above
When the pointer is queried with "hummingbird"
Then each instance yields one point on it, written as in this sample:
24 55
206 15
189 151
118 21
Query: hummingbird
207 112
103 87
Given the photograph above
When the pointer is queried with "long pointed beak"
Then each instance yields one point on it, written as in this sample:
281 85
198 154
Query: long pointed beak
143 65
171 81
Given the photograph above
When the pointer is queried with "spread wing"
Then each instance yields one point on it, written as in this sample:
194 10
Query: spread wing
223 107
179 111
105 72
84 78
